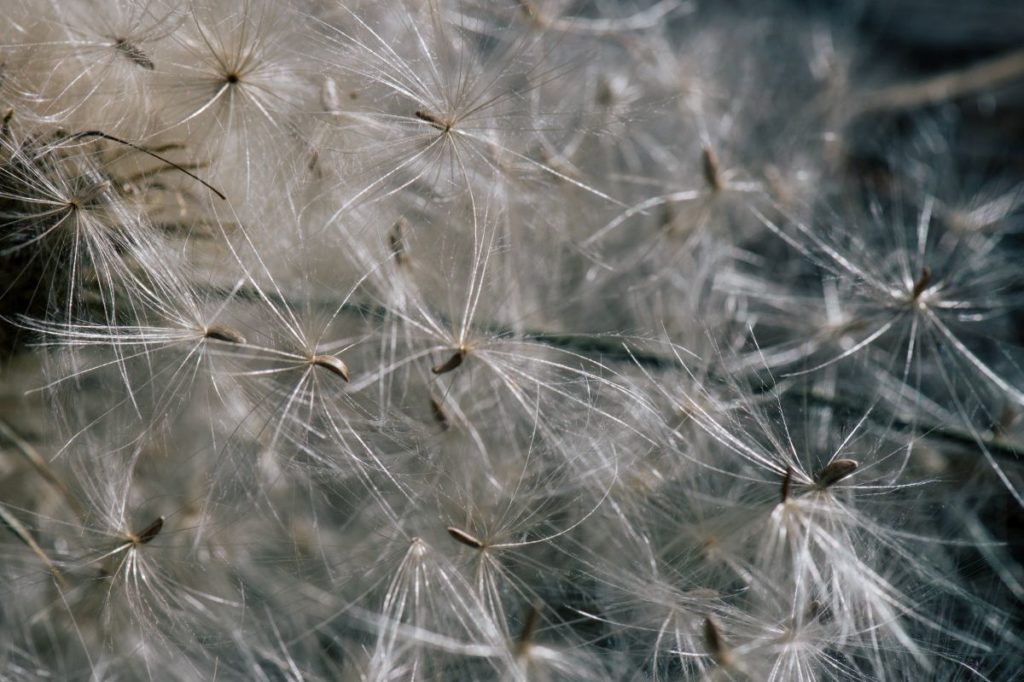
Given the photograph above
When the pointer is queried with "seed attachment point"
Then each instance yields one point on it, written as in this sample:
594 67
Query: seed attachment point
331 364
835 471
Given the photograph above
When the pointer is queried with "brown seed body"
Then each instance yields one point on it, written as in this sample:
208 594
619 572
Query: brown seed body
331 364
787 480
396 241
835 471
221 333
134 54
529 630
922 283
714 643
443 126
452 363
465 538
709 163
440 415
150 531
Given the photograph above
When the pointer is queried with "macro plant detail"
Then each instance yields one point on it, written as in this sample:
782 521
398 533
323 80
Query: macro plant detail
510 340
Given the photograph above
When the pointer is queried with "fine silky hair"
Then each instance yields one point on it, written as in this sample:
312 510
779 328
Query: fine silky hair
530 340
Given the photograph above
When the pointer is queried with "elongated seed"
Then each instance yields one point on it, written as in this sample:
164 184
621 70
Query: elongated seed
219 332
835 471
786 482
465 538
134 54
529 630
331 364
443 126
452 363
396 241
440 414
714 642
922 283
150 531
709 163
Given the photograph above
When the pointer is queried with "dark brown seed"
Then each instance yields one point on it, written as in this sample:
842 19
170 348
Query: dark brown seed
150 531
331 364
786 481
710 166
134 54
922 283
443 126
396 241
834 472
714 643
465 538
440 415
221 333
452 363
529 630
813 611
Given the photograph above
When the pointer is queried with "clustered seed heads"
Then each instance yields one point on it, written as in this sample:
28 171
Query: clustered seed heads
429 340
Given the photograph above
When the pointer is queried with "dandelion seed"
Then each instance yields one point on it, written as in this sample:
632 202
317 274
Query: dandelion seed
133 54
396 241
331 364
222 333
440 415
5 124
921 284
465 538
443 126
709 164
452 363
149 532
526 635
714 643
786 481
834 472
